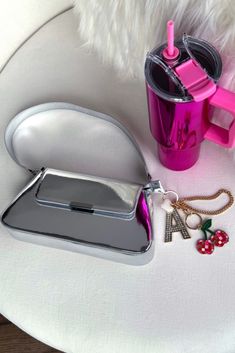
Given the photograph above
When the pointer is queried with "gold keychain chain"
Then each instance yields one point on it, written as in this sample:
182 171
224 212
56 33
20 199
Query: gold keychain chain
181 204
189 210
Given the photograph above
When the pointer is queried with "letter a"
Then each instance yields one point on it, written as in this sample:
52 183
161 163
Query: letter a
178 227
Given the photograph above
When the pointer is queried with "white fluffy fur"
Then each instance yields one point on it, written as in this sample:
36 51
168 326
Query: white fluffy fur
122 31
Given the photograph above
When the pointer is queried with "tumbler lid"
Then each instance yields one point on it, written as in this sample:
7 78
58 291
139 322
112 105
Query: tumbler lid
161 74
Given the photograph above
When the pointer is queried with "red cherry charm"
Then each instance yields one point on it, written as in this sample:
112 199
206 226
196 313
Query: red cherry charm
205 246
219 238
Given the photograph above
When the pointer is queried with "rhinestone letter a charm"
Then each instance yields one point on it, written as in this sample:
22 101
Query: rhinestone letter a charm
172 214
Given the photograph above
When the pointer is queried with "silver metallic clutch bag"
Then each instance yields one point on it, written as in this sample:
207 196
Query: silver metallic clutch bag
97 215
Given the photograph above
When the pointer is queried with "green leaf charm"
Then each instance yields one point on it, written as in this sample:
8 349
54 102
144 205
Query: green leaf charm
206 225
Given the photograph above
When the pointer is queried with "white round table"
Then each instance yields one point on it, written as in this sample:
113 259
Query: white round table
181 302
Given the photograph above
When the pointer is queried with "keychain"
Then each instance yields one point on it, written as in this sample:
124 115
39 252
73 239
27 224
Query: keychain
206 245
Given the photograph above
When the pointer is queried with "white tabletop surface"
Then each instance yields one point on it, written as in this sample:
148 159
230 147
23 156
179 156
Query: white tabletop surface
181 302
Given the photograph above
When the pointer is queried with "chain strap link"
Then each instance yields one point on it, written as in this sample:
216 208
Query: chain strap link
184 206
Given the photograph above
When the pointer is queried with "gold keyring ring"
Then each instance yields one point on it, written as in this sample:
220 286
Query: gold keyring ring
198 226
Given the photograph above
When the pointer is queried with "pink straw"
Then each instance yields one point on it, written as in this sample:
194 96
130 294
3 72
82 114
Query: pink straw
170 52
170 38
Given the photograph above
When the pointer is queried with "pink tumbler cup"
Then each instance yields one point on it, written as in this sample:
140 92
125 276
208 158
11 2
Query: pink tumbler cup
182 92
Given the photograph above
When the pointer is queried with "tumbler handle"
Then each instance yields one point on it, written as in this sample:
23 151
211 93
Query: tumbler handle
223 99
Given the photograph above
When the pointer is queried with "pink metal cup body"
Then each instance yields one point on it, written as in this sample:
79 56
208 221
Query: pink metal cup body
179 129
